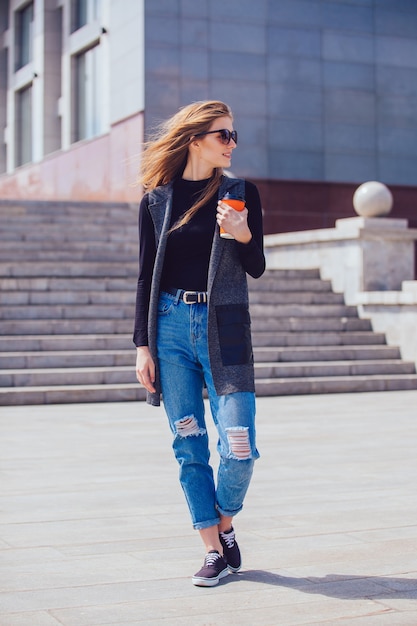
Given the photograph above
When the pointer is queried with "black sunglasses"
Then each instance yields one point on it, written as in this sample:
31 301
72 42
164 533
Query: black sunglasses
225 135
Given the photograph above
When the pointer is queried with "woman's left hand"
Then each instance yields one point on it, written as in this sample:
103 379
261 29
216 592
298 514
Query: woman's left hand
234 222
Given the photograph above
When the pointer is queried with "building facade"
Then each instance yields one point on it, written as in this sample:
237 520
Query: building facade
324 94
71 98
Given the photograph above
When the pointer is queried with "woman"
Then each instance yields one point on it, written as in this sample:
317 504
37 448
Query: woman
192 327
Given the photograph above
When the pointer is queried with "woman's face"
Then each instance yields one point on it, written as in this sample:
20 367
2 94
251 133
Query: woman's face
212 152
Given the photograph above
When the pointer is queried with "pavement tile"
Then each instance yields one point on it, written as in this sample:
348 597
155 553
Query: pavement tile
37 618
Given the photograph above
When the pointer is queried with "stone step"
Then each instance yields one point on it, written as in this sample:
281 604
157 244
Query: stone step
303 310
81 209
280 285
67 326
68 376
40 220
295 343
333 368
78 269
288 274
111 311
105 357
70 296
264 387
283 367
51 212
309 324
125 374
323 338
67 254
34 248
64 343
68 311
260 336
295 297
60 233
18 298
12 396
67 358
335 384
69 283
326 353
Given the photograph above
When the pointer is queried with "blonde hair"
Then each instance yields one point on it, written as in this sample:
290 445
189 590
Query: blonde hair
165 155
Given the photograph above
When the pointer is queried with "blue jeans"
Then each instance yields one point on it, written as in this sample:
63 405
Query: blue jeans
184 369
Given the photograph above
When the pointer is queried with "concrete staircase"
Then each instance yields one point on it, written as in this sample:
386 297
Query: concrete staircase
306 340
67 290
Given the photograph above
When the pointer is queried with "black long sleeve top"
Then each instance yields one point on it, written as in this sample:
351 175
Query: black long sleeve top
188 248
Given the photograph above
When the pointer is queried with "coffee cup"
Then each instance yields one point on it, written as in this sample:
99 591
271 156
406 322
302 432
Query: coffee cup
237 203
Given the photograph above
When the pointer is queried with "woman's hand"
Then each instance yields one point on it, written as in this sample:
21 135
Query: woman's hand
234 222
145 368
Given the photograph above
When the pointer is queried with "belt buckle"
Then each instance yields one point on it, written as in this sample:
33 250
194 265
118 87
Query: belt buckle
189 293
198 297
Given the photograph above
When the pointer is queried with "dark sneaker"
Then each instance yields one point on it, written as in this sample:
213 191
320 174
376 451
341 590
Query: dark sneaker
231 550
214 568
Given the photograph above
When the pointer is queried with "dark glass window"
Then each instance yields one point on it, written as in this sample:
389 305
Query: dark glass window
24 36
24 126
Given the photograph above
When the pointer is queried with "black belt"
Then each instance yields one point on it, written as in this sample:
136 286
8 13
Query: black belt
189 297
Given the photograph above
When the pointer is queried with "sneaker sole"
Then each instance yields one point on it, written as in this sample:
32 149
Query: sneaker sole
234 570
209 582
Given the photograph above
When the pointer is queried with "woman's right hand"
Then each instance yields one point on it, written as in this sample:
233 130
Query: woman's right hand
145 368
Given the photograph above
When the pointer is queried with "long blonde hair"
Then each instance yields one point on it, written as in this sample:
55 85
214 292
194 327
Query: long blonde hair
165 155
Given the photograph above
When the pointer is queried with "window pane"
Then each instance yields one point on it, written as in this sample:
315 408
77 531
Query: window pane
24 36
88 108
84 12
24 126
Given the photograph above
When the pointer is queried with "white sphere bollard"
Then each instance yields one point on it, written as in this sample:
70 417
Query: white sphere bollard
372 199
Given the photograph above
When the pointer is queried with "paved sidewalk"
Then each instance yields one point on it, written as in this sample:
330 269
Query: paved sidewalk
94 529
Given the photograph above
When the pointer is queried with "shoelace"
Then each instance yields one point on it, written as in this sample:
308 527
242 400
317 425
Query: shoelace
229 539
211 558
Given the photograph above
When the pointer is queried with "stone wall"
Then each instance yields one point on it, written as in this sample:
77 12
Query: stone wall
321 90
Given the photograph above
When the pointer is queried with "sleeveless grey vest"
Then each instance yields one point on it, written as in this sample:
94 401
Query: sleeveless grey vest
229 338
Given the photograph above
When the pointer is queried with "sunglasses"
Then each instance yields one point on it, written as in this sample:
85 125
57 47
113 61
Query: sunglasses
225 135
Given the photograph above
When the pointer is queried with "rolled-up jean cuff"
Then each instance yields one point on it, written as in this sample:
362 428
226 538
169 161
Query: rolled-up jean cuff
228 513
207 524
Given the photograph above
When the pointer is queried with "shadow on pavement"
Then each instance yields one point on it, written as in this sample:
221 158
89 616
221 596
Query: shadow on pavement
337 585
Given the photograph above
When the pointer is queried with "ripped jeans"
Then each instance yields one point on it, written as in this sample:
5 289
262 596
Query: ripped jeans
184 368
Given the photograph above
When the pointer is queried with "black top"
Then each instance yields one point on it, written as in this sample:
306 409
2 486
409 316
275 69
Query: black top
187 254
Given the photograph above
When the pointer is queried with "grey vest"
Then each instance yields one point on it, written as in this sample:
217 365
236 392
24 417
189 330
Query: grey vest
229 338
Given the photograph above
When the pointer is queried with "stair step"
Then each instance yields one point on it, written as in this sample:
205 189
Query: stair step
333 368
68 283
83 209
310 324
285 285
337 384
295 297
279 339
62 343
68 376
34 298
67 358
321 353
50 268
71 394
68 334
62 234
68 311
67 326
288 274
303 310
